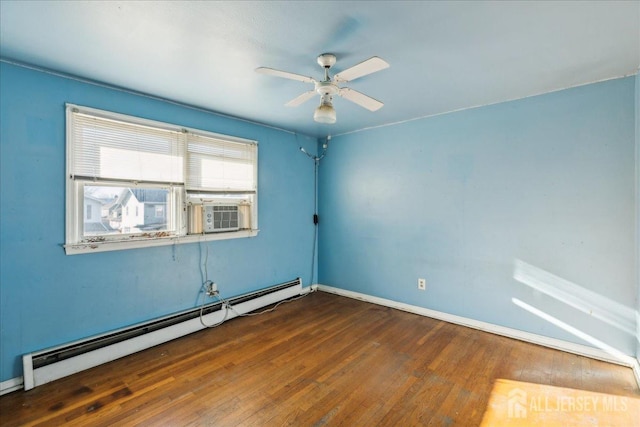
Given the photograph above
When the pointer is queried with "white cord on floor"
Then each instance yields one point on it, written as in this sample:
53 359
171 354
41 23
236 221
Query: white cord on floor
226 305
268 310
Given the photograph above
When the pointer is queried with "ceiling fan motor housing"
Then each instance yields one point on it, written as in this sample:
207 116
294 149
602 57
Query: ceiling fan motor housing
326 88
327 60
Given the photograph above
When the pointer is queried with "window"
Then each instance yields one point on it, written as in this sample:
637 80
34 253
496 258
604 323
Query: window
145 183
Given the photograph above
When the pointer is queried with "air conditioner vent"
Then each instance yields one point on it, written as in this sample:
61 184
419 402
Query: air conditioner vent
220 218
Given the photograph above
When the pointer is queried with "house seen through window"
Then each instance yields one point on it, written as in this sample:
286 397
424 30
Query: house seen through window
125 210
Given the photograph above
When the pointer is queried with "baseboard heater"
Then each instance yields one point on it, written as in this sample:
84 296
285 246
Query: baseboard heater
53 363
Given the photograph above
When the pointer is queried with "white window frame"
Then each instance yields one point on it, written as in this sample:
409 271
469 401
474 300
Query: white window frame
176 209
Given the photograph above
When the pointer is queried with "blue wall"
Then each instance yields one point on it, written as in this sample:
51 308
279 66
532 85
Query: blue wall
638 214
459 198
48 298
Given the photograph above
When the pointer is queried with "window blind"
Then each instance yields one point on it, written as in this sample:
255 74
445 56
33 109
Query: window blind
111 149
220 165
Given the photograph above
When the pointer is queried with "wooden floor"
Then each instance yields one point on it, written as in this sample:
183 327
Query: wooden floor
325 360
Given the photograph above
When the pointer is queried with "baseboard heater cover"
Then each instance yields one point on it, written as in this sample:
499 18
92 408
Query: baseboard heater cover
57 362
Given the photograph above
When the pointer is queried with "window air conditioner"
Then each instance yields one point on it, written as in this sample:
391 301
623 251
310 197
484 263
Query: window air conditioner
214 218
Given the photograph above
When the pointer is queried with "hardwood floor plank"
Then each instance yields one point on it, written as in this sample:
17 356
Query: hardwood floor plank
321 360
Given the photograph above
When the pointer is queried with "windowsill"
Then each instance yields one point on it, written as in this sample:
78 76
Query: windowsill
117 245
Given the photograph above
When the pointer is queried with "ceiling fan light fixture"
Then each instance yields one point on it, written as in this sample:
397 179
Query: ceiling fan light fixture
325 113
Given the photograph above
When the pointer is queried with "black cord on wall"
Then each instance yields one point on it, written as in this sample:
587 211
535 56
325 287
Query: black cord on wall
316 219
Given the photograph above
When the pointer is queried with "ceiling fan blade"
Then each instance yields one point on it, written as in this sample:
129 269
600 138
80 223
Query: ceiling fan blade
360 98
301 99
369 66
285 74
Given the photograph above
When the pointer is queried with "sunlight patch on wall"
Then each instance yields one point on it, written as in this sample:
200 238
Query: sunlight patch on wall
576 296
623 358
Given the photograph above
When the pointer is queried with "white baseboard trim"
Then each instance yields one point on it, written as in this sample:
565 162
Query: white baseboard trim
569 347
17 383
308 289
10 385
636 370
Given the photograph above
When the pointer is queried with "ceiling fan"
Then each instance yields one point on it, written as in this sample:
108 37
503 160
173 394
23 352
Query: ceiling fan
328 87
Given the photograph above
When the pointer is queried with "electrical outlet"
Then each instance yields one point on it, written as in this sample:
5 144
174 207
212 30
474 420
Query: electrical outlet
422 284
212 289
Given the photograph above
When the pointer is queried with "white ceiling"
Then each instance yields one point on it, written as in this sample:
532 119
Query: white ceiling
444 56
